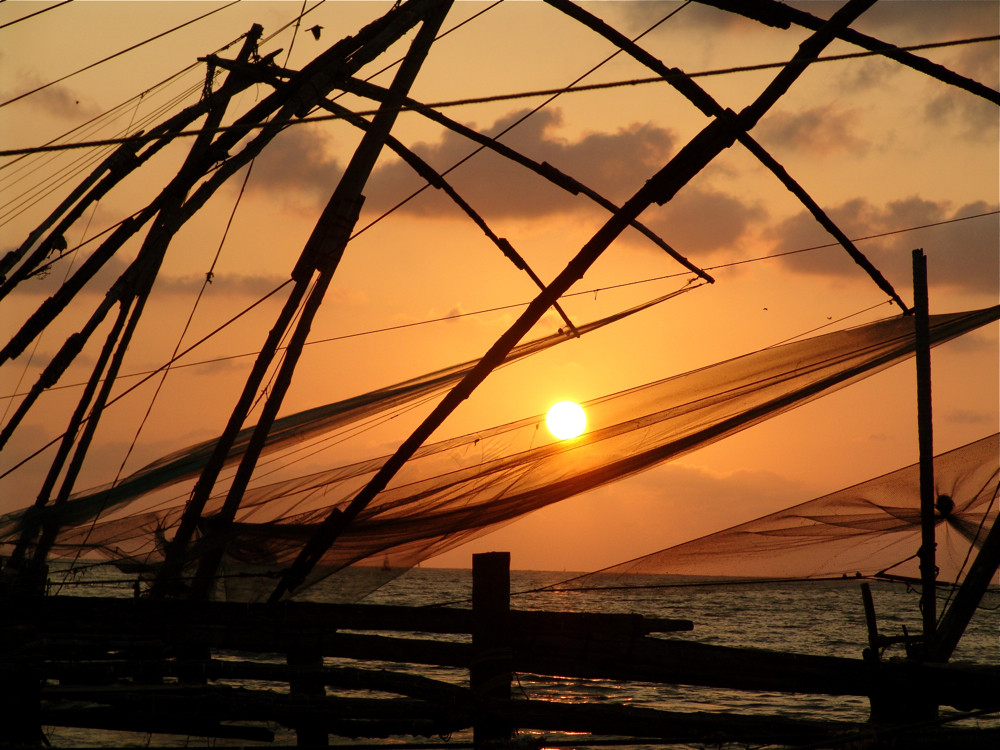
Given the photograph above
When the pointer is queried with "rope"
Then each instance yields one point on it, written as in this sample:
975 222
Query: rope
117 54
536 93
510 306
36 13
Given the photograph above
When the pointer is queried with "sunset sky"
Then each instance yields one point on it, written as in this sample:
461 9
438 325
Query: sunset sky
882 148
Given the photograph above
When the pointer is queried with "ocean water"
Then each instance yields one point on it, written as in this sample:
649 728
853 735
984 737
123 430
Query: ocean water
821 618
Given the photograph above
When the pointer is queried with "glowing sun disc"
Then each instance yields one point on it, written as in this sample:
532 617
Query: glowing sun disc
566 420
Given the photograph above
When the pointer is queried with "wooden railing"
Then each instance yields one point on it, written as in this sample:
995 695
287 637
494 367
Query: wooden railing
225 670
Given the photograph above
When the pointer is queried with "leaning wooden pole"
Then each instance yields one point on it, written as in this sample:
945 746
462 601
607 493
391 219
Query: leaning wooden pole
966 601
719 135
925 437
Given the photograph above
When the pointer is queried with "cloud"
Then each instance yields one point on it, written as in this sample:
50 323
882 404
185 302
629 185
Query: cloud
296 166
57 100
973 118
614 164
819 131
639 16
702 220
961 255
939 19
222 283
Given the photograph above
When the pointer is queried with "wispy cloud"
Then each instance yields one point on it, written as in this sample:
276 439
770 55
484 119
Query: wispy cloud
819 131
962 255
703 221
297 167
615 164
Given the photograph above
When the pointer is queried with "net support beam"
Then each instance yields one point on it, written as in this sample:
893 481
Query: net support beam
322 253
719 135
925 430
966 601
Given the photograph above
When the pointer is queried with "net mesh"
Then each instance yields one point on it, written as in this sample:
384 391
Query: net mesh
455 489
869 530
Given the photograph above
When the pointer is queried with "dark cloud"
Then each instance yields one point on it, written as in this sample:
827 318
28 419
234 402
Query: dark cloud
614 164
296 166
59 100
638 16
222 283
703 221
973 118
819 131
931 19
962 255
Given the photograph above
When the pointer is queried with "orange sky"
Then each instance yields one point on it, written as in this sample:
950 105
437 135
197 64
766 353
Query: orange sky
880 147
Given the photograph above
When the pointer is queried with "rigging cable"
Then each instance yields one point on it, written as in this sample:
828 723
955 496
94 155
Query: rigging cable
130 100
526 94
132 388
499 308
36 13
53 182
166 371
118 54
518 121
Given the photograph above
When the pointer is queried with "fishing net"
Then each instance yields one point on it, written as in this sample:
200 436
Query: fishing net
869 530
298 428
455 489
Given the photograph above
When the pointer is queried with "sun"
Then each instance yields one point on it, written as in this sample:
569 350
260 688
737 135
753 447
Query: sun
566 420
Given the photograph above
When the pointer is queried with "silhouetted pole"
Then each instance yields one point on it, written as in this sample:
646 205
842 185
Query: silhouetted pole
966 601
308 734
490 670
925 437
717 136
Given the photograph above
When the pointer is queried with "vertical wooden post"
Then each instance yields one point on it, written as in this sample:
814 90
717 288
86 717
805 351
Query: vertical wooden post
307 655
490 670
872 654
925 436
21 657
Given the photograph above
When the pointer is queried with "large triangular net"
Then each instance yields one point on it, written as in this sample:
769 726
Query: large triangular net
453 490
870 530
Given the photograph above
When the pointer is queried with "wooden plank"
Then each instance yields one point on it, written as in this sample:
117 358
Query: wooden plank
189 621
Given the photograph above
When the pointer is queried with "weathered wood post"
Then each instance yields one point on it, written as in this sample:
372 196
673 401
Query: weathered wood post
20 657
308 654
490 669
925 439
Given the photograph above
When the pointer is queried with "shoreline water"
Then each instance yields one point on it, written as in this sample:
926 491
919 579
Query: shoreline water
817 618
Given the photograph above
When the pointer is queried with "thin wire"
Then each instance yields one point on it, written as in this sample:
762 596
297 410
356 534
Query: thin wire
129 101
527 94
830 323
166 371
49 184
501 308
36 13
118 54
132 388
555 95
295 32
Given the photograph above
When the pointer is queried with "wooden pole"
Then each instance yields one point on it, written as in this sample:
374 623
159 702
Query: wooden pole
490 670
925 437
308 734
966 601
871 655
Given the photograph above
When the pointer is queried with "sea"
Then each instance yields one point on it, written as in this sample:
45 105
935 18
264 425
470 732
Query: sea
809 617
